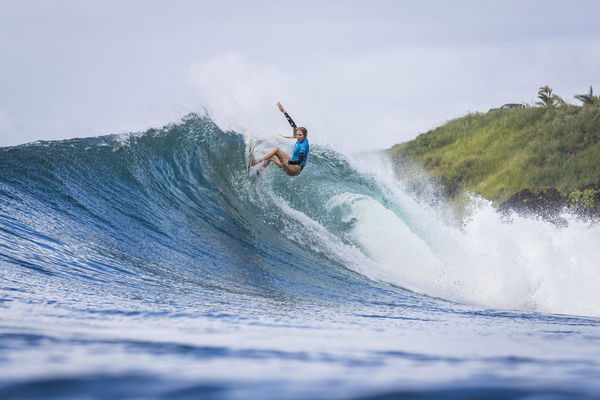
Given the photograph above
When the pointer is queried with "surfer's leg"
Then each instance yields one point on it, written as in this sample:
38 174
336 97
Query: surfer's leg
275 159
291 170
276 151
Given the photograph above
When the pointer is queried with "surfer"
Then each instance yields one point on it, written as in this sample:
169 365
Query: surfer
291 165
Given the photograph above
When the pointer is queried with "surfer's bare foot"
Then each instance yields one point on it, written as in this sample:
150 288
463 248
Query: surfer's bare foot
254 161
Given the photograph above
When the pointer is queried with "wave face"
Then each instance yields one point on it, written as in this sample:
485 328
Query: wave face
162 234
172 208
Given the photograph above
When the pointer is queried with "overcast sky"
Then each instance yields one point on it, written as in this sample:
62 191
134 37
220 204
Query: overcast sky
358 74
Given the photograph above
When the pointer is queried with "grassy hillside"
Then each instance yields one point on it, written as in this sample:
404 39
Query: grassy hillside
503 152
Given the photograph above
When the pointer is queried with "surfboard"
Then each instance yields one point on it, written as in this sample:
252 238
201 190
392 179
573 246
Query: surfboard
253 171
250 154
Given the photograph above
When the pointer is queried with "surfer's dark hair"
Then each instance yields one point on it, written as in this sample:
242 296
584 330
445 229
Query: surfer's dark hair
303 130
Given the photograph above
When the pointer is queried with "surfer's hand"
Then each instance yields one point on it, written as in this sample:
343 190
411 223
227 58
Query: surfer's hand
280 107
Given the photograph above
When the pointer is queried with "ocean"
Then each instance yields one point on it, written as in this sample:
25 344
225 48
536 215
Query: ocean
148 265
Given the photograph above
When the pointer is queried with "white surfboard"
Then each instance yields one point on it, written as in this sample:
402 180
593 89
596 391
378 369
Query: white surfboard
250 154
253 170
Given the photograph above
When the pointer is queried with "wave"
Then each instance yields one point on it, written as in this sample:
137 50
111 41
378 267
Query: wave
172 211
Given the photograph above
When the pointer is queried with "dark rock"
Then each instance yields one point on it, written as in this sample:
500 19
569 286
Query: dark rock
547 204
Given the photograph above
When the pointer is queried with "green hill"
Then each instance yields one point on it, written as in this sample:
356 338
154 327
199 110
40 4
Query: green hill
502 152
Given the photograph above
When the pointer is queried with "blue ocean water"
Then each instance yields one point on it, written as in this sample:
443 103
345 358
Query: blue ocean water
149 266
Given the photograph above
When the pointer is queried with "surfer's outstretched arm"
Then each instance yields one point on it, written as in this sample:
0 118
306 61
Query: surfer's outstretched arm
287 116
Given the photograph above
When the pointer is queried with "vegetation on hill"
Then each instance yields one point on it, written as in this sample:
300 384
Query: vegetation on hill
502 152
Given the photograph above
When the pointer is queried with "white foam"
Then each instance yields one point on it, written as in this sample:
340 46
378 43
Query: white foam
526 264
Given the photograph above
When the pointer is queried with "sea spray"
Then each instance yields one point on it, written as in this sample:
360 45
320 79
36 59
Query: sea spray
489 260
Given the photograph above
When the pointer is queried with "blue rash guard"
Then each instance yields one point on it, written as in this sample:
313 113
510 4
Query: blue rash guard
300 150
300 153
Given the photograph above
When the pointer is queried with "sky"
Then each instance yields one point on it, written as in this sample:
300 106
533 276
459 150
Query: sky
359 75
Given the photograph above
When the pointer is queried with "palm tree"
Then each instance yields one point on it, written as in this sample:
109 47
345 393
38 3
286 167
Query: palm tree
548 99
588 99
